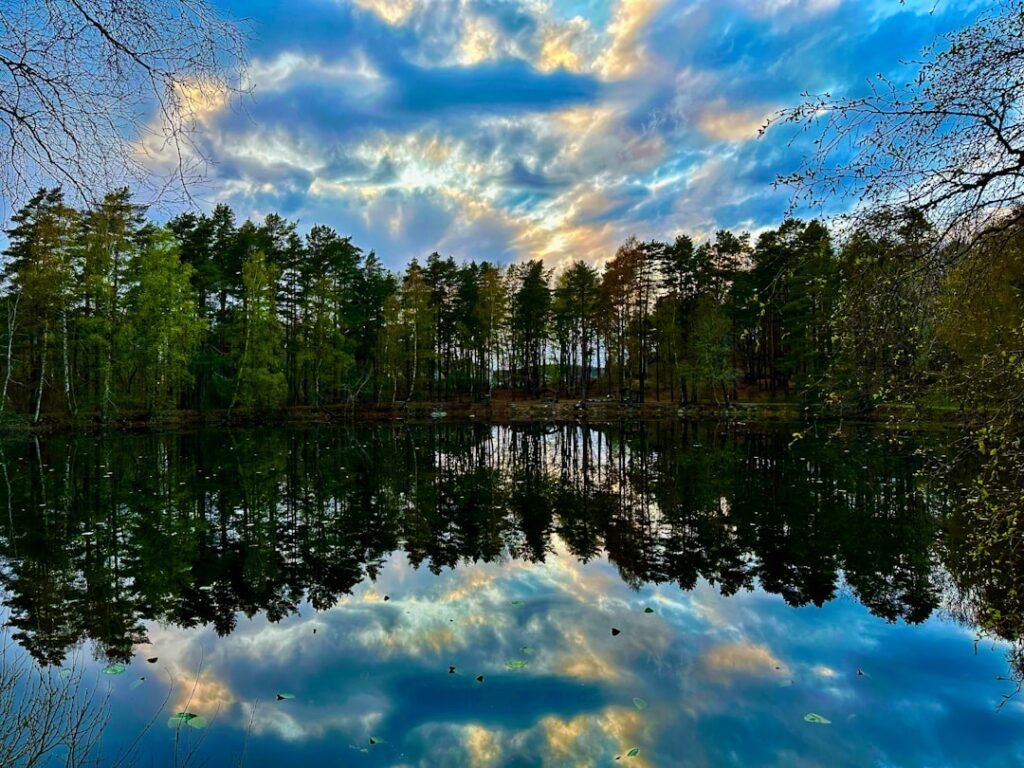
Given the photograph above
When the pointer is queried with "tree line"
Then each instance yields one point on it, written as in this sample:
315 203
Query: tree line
109 314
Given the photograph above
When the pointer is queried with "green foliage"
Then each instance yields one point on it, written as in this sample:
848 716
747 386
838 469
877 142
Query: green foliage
260 382
162 326
107 315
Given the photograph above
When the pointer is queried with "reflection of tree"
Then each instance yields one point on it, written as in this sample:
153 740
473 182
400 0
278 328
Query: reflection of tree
195 529
983 544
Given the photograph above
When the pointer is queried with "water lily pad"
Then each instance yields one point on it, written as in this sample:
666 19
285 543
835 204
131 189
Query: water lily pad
812 717
516 664
136 683
190 719
114 669
639 703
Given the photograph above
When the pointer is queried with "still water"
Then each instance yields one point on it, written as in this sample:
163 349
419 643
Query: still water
465 595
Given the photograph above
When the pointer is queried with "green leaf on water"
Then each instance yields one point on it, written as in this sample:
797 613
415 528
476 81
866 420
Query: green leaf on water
639 703
136 683
285 696
516 664
114 669
190 719
633 752
811 717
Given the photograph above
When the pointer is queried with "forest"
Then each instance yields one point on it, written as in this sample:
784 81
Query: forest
109 315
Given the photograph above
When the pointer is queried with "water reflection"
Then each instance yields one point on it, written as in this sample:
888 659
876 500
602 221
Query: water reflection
197 529
376 573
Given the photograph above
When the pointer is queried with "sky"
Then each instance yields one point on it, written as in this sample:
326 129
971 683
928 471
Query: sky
553 129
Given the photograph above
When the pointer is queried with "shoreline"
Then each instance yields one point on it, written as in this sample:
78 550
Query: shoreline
553 411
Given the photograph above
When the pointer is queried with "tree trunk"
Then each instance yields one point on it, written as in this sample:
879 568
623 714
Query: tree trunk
42 377
12 321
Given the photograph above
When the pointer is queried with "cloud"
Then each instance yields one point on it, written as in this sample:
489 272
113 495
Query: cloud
513 129
720 123
627 54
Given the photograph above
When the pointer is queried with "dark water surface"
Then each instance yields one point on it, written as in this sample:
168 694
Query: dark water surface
688 592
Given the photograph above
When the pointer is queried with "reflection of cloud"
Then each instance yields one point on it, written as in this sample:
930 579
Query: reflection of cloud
743 659
483 747
206 695
274 718
704 666
586 739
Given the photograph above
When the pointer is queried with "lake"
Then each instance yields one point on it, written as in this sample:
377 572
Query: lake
653 594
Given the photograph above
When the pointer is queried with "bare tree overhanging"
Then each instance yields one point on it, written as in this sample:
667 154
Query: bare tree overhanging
949 141
96 94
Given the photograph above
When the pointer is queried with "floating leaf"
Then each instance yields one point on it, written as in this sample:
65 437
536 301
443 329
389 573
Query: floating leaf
648 609
136 683
190 719
639 703
633 752
114 669
811 717
616 632
516 664
285 696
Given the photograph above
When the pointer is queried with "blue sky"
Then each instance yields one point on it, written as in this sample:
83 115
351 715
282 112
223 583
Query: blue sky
511 129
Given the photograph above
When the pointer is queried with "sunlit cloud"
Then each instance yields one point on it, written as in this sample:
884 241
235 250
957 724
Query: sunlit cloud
390 11
627 54
515 129
719 122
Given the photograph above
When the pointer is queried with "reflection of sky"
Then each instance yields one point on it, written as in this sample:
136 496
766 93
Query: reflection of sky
727 681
